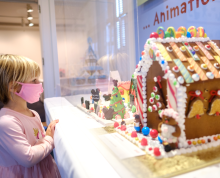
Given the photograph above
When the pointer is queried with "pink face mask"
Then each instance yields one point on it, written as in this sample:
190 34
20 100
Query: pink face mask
30 92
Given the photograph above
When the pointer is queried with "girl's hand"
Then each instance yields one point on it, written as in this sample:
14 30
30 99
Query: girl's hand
51 128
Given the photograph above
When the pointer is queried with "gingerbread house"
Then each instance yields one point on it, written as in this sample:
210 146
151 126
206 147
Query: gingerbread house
180 70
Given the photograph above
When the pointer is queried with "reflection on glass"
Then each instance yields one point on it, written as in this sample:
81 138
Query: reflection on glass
93 39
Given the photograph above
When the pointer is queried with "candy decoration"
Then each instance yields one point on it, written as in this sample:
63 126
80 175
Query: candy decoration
205 36
159 105
146 131
195 77
215 107
152 94
142 53
196 93
153 133
189 142
133 134
123 128
167 34
183 48
201 31
183 71
157 97
216 65
213 70
198 70
214 47
160 140
161 33
154 35
204 66
176 69
150 108
214 93
155 89
172 32
180 79
152 55
191 51
178 52
178 35
182 30
144 142
157 151
188 34
163 51
192 31
154 107
151 100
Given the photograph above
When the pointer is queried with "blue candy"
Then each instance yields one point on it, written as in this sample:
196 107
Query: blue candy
140 58
188 35
145 131
160 140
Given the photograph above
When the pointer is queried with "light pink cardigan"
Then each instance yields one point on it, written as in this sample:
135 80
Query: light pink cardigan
24 148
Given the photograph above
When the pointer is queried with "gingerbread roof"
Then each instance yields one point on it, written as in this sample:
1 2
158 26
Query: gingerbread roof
188 59
125 85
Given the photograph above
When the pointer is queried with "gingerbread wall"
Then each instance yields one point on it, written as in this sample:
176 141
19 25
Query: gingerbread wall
155 70
207 125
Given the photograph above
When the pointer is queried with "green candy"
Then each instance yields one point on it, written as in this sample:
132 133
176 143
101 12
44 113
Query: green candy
175 83
152 94
157 97
133 110
150 109
159 111
148 41
167 34
132 75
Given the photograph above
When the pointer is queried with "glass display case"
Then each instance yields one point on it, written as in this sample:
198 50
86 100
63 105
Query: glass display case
102 40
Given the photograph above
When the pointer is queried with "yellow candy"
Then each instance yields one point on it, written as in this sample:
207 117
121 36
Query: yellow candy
183 48
199 141
111 97
129 134
218 136
108 107
205 36
115 105
194 142
136 139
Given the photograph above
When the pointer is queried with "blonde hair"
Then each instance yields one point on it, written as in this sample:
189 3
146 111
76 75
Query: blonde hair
14 69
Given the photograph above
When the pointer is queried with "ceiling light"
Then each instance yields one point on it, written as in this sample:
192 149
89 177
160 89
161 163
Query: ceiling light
29 8
29 17
30 24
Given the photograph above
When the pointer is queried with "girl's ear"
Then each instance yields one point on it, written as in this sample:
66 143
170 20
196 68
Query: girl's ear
10 86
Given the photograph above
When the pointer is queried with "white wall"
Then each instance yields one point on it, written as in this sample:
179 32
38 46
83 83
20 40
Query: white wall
22 42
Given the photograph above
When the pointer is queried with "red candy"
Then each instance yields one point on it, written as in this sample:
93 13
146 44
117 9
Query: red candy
189 142
123 128
142 53
136 66
144 142
150 149
153 133
154 35
157 151
186 44
116 124
134 134
176 68
208 46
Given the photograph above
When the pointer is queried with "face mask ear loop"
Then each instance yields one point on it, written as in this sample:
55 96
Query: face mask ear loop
21 88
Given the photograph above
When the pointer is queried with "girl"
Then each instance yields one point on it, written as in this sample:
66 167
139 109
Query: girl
24 146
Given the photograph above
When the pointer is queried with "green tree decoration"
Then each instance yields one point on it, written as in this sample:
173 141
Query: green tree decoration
116 101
